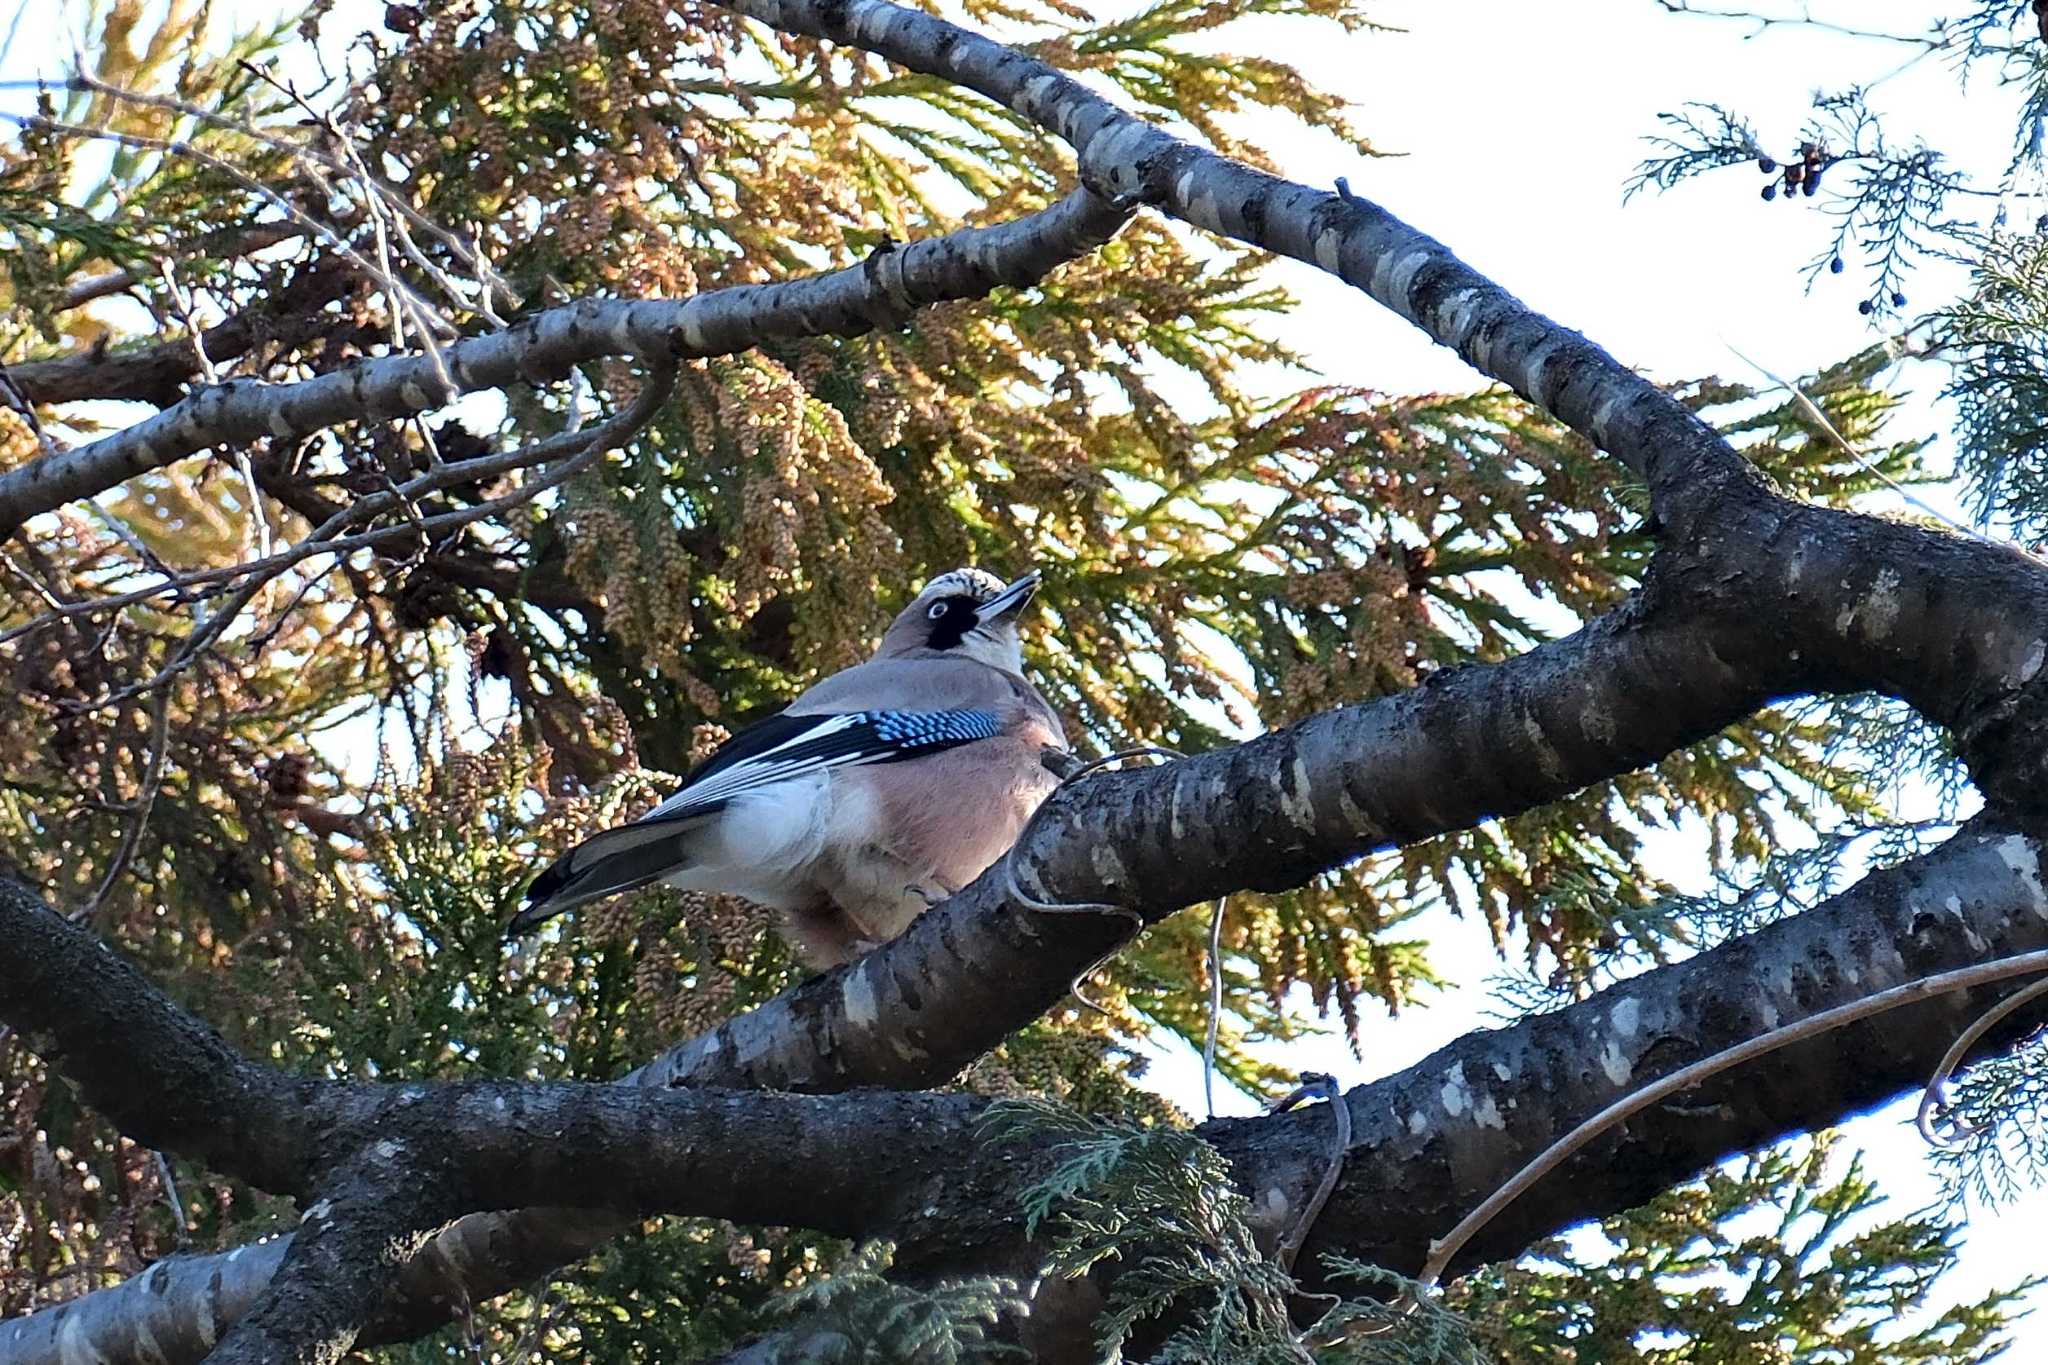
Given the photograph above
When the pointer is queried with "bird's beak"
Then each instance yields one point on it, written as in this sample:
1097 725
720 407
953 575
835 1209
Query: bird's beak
1010 601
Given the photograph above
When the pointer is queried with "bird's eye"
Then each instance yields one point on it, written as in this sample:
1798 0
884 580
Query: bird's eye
937 611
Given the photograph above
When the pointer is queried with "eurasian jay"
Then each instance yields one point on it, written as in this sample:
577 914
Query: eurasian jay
882 789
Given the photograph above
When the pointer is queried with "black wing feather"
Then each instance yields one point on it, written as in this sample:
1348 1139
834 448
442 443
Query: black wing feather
785 747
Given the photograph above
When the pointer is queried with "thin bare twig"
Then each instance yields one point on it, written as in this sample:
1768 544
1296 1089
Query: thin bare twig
324 539
1019 896
1933 1104
177 1205
1864 462
1315 1083
14 398
582 447
1804 19
181 303
401 293
13 27
1215 1004
245 243
58 607
380 198
391 212
145 803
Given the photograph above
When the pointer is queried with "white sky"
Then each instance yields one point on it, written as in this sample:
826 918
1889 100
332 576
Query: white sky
1520 123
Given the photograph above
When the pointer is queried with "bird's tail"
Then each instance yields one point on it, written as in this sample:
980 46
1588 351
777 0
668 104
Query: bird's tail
607 864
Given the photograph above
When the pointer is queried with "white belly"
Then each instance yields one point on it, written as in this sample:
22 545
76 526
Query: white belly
852 857
794 844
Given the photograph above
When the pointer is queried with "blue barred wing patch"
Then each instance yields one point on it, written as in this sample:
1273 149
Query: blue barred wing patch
785 747
930 729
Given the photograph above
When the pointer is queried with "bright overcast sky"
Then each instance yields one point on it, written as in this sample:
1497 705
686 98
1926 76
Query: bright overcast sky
1519 123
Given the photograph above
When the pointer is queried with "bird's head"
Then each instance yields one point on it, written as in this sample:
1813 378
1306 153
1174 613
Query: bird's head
968 613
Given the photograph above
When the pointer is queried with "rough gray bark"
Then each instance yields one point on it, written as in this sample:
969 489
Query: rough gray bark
335 1271
94 1018
1432 1141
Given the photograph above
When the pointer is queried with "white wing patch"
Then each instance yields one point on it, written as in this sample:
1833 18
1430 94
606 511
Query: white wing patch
760 770
851 740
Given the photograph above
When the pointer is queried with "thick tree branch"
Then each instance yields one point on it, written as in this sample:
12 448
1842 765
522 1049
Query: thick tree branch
1954 626
1704 646
880 292
381 1166
1755 598
1474 742
173 1312
1469 744
337 1268
96 1019
1433 1141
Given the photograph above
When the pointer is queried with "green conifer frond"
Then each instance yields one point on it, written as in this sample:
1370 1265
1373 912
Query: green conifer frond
858 1316
1160 1201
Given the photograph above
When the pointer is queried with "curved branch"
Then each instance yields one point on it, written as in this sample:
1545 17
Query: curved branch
1760 598
1474 742
880 292
570 453
162 1076
337 1268
1820 600
1469 744
1957 627
1446 1249
1684 461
